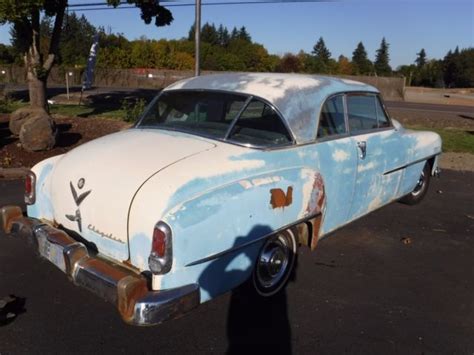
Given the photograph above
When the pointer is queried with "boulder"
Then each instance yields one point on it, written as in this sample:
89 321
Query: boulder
38 132
20 116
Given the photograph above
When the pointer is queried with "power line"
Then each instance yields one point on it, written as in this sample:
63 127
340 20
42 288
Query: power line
84 7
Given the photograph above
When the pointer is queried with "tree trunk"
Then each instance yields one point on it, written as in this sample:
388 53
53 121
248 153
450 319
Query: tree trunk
37 92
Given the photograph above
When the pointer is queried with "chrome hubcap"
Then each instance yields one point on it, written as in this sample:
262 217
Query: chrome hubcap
419 184
273 261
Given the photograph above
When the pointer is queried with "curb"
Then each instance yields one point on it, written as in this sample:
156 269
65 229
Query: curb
12 173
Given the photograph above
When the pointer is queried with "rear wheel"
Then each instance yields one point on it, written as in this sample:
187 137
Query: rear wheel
420 189
275 263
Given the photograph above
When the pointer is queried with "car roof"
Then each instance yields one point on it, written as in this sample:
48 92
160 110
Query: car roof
298 97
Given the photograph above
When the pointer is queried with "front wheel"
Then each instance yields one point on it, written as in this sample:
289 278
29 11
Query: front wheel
275 263
420 189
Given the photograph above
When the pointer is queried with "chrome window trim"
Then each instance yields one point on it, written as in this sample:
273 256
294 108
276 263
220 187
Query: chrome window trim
225 139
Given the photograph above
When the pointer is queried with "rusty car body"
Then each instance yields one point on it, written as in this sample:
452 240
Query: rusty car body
218 183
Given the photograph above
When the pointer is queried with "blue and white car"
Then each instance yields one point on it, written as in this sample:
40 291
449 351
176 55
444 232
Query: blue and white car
218 184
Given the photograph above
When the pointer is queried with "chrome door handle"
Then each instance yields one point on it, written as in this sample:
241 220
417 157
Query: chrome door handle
363 149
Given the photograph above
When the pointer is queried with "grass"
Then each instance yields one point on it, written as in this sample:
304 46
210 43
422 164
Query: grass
9 106
454 140
87 111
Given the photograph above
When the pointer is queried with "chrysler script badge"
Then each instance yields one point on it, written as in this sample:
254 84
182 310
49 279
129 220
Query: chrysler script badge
78 200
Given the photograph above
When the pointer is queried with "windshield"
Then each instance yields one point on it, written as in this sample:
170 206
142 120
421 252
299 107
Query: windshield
213 114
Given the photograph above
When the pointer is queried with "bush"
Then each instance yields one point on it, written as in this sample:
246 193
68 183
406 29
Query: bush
133 109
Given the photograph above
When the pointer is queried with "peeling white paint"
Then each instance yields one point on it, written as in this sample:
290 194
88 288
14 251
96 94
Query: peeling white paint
368 166
340 155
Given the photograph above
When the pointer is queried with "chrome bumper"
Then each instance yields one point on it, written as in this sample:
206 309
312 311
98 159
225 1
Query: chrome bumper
125 288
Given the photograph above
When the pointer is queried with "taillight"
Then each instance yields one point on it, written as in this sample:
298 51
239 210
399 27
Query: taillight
161 255
30 188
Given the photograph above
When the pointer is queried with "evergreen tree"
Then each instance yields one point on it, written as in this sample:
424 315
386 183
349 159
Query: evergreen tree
381 64
223 36
321 52
361 64
244 35
421 58
209 34
234 34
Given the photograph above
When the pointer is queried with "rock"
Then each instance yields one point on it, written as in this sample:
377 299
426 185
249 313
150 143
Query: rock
38 132
19 117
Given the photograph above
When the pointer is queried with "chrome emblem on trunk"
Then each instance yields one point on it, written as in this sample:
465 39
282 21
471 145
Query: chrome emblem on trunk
78 200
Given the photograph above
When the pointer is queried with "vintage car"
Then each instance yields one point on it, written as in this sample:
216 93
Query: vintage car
217 185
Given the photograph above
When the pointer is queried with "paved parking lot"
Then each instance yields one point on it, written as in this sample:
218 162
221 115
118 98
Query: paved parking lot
399 281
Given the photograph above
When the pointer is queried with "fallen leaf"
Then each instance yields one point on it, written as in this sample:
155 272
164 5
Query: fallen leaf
406 240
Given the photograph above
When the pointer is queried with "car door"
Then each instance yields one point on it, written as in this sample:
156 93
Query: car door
379 153
337 160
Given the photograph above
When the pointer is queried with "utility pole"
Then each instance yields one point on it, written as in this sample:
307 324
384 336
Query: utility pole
197 35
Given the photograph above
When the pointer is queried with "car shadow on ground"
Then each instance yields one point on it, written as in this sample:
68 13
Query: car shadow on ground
65 138
254 323
10 307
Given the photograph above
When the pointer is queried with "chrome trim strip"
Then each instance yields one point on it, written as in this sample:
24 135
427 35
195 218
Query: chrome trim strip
410 164
232 124
238 247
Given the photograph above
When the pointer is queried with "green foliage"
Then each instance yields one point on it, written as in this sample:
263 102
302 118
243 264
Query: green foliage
320 62
458 68
320 51
361 65
382 59
133 109
421 58
7 55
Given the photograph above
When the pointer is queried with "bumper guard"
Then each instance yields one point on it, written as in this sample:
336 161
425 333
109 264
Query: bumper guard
128 290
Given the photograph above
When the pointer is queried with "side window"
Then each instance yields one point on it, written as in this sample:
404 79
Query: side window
260 125
382 118
361 110
331 119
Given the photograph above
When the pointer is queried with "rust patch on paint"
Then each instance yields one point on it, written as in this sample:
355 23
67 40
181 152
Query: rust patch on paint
316 225
279 199
318 196
315 207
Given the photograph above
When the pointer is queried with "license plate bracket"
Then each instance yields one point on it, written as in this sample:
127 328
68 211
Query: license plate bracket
52 252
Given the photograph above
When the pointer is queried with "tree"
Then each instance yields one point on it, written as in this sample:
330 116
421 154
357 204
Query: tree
381 64
289 63
6 54
421 58
209 34
244 35
361 65
25 18
223 36
76 39
321 52
458 68
344 66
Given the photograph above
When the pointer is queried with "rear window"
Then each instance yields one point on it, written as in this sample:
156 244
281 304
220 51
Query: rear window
214 115
260 125
331 119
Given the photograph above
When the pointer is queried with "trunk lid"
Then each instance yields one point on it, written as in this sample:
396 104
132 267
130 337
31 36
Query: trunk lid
94 184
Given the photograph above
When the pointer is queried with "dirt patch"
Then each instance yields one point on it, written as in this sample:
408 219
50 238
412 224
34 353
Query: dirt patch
433 119
457 161
71 133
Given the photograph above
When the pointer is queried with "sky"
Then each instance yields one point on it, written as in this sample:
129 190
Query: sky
407 25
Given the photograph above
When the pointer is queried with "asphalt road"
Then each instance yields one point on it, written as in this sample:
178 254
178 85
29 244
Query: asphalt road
399 281
21 91
414 106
